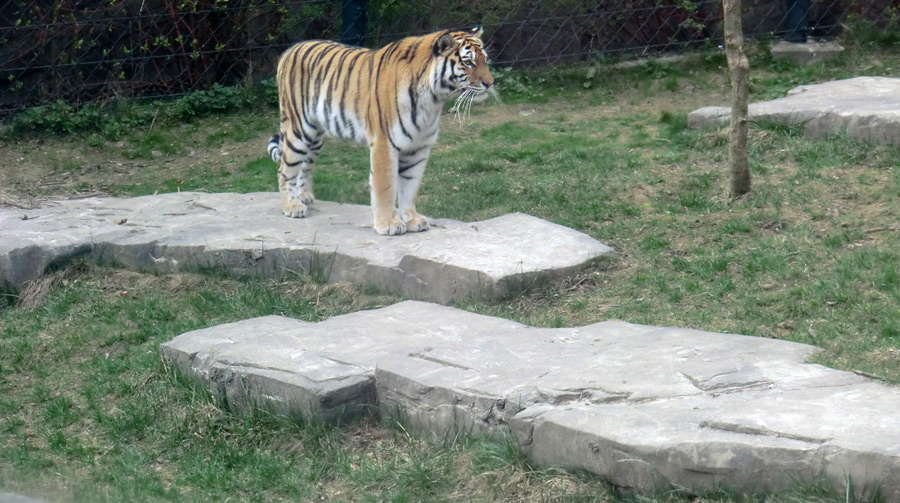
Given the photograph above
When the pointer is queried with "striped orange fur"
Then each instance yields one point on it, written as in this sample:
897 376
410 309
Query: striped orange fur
390 98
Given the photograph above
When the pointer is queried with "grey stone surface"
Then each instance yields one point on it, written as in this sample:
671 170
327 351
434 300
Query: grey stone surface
246 234
642 406
16 498
806 53
866 108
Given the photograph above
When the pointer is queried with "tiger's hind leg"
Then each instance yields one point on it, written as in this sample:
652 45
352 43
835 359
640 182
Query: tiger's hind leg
295 180
410 168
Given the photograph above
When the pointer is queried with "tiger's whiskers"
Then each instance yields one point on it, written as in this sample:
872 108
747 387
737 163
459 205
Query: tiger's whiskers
462 106
495 95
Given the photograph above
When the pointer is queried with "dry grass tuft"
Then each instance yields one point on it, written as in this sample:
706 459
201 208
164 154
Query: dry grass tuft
35 292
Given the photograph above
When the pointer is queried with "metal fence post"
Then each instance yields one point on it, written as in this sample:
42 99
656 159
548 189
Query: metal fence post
796 21
353 21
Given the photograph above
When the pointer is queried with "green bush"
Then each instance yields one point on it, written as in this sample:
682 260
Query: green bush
201 103
111 120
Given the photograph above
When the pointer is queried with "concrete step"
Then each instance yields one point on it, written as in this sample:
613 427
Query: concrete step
246 234
642 406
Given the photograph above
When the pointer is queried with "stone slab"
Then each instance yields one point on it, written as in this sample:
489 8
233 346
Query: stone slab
805 53
246 234
865 108
16 498
643 406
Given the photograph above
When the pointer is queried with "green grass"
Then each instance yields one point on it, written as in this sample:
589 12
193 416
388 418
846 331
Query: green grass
87 413
90 414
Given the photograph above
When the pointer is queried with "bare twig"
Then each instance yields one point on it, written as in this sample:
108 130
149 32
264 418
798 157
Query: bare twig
891 228
866 374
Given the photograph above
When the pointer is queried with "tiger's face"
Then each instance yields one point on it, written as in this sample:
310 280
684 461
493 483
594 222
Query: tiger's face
466 65
473 59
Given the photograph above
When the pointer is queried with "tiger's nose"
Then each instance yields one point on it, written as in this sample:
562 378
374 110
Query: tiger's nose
486 84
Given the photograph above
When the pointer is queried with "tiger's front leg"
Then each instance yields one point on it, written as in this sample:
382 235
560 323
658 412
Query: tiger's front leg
382 180
410 169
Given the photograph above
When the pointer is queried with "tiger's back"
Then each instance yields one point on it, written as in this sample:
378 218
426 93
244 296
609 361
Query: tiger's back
389 98
325 88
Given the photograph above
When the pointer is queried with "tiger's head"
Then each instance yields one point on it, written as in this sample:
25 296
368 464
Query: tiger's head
465 65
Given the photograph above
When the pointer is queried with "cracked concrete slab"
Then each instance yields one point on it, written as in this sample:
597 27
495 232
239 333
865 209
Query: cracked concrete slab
865 108
643 406
246 234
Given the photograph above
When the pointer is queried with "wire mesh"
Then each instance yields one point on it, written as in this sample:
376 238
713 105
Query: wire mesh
83 51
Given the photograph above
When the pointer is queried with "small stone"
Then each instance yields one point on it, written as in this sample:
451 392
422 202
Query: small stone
805 53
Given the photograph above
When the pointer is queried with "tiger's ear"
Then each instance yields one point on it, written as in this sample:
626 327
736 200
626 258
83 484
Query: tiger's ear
443 44
477 31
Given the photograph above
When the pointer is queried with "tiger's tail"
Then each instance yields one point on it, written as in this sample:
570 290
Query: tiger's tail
275 147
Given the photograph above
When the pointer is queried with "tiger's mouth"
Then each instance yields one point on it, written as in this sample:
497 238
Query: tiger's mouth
473 94
479 92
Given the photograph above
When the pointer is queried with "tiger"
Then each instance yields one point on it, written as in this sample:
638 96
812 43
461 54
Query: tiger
390 98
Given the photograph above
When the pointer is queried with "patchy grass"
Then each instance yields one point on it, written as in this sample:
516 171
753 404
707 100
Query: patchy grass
810 255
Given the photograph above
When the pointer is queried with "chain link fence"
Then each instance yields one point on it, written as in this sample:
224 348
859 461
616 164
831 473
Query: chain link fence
89 51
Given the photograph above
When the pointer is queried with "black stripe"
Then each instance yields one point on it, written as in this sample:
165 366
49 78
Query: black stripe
297 109
332 80
296 150
400 120
421 74
402 169
325 49
413 106
371 61
346 83
391 48
306 138
307 83
318 73
411 50
381 123
352 129
350 66
391 139
416 151
444 69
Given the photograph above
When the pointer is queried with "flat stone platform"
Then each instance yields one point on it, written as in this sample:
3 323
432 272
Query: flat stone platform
865 108
246 234
642 406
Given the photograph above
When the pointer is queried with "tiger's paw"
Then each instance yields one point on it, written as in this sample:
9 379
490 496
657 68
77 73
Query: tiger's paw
417 223
391 227
306 197
294 209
